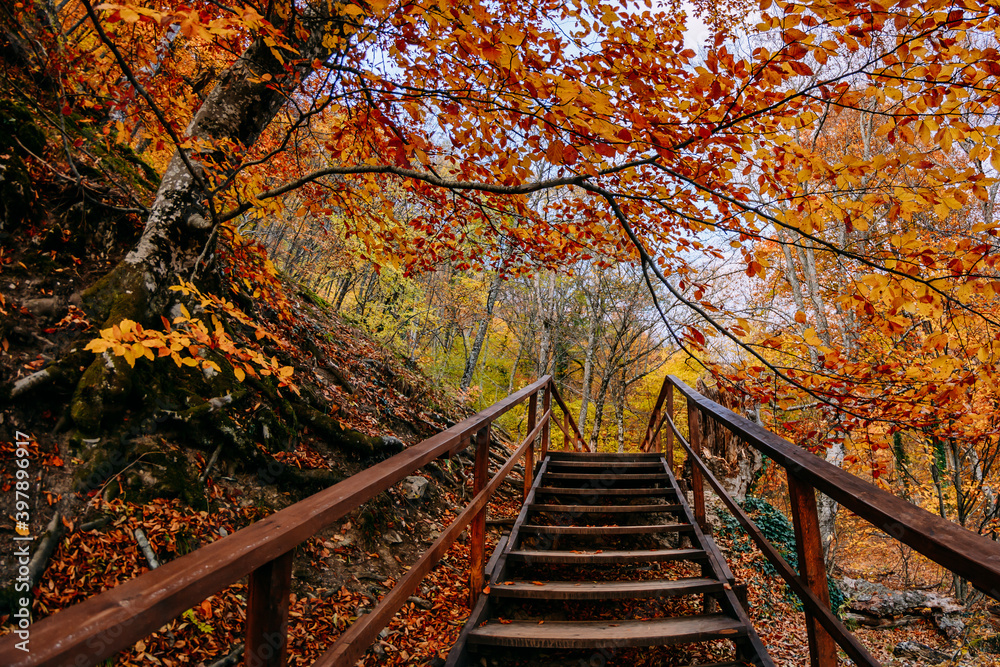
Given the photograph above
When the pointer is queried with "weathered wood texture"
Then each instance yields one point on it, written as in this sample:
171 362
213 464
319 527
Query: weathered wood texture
602 634
812 568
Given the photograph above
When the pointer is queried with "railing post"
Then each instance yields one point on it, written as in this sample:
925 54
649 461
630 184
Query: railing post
570 442
477 529
267 613
812 568
697 483
529 454
669 449
546 432
653 441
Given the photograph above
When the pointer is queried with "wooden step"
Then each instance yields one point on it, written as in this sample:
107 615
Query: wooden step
568 491
585 456
607 465
607 634
603 509
530 529
605 478
605 590
594 557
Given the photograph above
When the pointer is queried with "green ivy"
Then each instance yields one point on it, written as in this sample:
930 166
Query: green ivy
780 533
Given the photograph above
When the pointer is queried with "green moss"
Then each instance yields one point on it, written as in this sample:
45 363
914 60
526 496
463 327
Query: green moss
119 295
18 131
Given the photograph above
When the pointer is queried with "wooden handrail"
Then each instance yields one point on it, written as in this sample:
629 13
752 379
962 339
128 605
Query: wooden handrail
356 639
852 647
567 413
101 626
957 549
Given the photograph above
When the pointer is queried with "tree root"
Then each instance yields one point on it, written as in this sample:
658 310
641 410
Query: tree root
53 534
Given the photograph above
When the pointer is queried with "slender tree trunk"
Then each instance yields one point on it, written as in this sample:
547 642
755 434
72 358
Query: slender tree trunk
620 411
588 365
472 360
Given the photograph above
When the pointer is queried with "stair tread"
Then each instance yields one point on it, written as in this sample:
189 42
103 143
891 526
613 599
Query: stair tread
607 477
560 491
606 634
605 590
586 456
606 556
604 465
533 529
602 509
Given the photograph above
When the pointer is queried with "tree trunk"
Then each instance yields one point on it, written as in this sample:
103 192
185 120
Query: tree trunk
620 411
472 360
179 229
588 365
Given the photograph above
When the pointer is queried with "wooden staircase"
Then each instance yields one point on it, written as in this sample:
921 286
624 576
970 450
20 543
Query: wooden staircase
606 559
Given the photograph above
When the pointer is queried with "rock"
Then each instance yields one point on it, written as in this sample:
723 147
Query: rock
950 626
880 601
392 445
917 651
415 487
42 308
420 602
392 537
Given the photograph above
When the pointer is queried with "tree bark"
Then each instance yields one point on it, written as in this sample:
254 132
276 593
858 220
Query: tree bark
472 360
180 228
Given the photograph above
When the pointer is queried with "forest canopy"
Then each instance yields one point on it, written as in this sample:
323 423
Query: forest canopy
808 198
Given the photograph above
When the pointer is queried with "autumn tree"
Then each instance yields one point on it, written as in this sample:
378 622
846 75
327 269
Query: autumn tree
428 126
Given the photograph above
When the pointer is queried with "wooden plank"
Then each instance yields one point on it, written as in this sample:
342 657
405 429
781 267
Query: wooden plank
566 411
606 477
607 634
570 491
604 509
529 455
697 484
812 568
606 530
267 613
605 590
586 456
969 555
98 628
500 570
477 529
582 557
624 466
546 407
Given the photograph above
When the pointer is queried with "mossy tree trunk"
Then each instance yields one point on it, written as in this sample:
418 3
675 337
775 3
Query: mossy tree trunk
179 231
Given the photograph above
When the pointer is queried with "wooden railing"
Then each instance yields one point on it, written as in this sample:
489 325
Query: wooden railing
101 626
965 553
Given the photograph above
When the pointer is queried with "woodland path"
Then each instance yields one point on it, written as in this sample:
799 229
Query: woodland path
606 557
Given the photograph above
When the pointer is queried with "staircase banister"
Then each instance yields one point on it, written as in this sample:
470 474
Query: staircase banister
655 416
959 550
854 649
101 626
562 405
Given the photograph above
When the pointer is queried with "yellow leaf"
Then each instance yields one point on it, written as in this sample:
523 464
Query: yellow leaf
238 372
